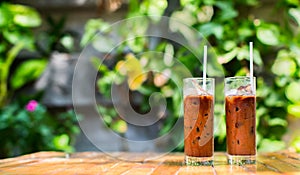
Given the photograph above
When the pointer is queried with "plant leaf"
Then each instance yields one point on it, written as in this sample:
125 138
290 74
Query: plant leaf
228 56
4 16
284 66
268 34
25 16
212 28
92 27
295 14
271 145
292 92
154 9
294 109
15 37
227 10
119 126
27 71
134 71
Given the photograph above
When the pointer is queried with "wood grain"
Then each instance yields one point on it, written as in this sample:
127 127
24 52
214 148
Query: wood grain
86 163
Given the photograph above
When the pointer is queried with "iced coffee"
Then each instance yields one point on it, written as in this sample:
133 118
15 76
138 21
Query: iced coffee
198 121
240 107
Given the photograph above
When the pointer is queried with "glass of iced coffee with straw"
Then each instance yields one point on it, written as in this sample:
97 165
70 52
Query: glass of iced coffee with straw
198 121
240 107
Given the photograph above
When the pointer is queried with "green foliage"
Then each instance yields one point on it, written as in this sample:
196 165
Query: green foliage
27 71
26 129
56 37
228 26
16 23
23 131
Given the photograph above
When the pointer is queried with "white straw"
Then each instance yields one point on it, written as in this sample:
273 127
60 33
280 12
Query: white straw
251 66
204 66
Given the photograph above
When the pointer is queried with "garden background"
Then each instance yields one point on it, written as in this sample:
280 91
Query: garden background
41 42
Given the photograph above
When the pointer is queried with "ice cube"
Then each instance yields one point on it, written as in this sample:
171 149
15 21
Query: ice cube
244 90
195 91
231 92
190 91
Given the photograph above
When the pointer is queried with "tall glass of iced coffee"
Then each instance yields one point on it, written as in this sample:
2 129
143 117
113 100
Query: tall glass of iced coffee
240 119
198 121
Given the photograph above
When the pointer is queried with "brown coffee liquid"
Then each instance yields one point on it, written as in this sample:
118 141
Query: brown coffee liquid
198 125
240 125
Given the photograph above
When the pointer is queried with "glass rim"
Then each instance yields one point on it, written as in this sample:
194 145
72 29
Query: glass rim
198 78
240 77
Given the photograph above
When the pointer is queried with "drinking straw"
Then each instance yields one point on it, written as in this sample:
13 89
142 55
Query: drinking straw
204 66
251 66
195 84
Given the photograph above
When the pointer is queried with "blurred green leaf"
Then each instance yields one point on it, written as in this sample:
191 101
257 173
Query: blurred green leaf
167 91
245 31
15 37
154 9
103 43
136 44
295 14
242 72
92 27
282 81
277 121
61 142
169 55
294 109
256 57
23 118
227 10
4 16
293 2
213 66
25 16
229 45
284 66
212 28
219 122
268 34
268 145
146 90
184 16
2 48
250 2
27 71
228 56
243 53
68 42
185 2
45 130
274 100
292 92
119 126
205 13
177 104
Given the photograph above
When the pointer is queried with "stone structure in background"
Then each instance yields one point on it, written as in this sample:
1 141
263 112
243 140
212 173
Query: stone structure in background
56 81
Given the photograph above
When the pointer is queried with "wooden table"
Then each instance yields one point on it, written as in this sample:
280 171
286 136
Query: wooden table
101 163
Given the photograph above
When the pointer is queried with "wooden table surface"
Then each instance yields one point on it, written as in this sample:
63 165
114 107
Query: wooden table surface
100 163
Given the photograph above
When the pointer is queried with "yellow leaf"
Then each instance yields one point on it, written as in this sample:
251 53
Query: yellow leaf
134 71
120 66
